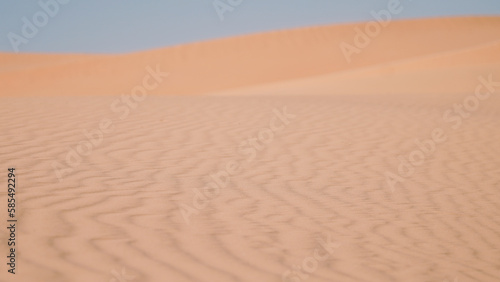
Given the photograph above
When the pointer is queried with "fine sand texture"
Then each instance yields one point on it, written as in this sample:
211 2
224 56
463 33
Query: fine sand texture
265 157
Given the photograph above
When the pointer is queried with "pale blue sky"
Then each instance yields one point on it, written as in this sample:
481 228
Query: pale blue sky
118 26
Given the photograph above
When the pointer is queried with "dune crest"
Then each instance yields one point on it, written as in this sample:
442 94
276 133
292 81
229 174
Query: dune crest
251 60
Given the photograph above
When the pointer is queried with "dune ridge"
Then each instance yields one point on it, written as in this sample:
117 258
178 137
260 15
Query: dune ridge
207 67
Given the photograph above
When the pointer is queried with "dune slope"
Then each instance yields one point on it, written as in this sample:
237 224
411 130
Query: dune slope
247 61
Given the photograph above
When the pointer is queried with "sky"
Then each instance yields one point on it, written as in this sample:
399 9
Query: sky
121 26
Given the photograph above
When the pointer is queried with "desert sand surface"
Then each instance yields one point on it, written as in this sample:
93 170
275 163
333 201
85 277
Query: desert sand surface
299 140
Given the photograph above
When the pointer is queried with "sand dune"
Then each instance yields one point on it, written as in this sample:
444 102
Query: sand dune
116 214
446 73
250 60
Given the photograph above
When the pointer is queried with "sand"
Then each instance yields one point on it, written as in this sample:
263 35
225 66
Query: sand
299 142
